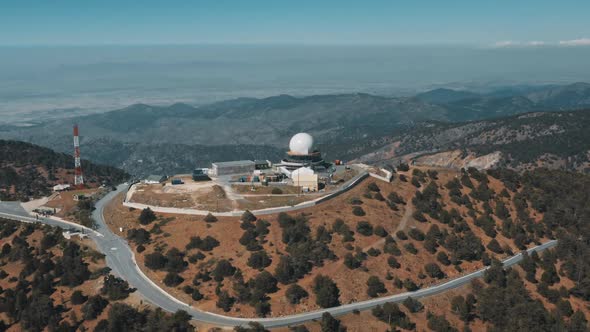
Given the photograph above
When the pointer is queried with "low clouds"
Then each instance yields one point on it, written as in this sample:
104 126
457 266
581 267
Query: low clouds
575 42
512 43
537 43
506 43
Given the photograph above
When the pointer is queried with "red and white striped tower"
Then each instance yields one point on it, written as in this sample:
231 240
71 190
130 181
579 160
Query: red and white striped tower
78 178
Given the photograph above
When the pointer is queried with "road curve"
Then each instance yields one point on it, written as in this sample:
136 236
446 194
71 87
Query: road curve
121 260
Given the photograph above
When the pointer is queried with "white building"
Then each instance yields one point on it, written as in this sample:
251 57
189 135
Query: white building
155 179
232 167
305 178
61 187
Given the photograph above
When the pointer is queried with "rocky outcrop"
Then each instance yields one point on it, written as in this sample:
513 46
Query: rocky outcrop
459 159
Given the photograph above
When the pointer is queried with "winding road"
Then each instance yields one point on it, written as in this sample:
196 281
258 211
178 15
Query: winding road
120 258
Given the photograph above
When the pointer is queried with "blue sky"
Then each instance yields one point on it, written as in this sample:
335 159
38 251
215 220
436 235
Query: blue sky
485 22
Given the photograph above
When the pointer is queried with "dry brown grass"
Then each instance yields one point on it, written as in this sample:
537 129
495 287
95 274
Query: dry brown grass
352 283
263 202
264 190
64 202
194 195
62 294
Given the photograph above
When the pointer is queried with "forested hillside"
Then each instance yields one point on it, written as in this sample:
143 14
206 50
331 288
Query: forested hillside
427 226
545 292
559 140
139 138
48 283
28 171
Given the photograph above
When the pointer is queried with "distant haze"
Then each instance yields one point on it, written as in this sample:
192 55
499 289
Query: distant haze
52 82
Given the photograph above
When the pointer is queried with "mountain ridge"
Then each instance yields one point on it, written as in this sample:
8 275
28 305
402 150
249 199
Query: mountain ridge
346 126
552 139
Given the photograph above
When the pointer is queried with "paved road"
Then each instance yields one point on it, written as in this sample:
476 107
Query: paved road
121 260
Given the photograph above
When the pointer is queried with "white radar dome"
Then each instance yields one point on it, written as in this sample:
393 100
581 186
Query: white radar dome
301 143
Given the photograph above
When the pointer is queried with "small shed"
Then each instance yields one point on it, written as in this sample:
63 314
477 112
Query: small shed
155 179
200 174
232 167
262 164
61 187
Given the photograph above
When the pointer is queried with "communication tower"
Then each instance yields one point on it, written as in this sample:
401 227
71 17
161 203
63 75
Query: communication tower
78 178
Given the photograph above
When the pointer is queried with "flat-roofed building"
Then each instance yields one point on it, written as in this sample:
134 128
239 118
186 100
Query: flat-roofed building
262 164
200 174
155 179
305 178
61 187
232 167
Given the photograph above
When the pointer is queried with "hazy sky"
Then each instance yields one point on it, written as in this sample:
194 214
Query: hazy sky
485 22
64 57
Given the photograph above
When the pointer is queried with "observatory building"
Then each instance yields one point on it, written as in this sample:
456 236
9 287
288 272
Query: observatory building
302 166
301 154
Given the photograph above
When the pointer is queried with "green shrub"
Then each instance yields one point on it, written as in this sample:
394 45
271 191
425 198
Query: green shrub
295 294
413 305
373 187
247 216
326 291
223 269
375 286
403 167
401 235
358 211
364 228
210 218
172 279
78 297
259 260
393 263
147 216
410 248
355 201
434 271
380 231
416 234
374 252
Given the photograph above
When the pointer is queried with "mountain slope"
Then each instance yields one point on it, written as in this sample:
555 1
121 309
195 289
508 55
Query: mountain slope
222 129
359 245
442 95
50 283
268 121
345 126
563 97
464 105
557 140
28 170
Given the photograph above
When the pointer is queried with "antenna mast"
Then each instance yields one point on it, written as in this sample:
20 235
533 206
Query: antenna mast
78 178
